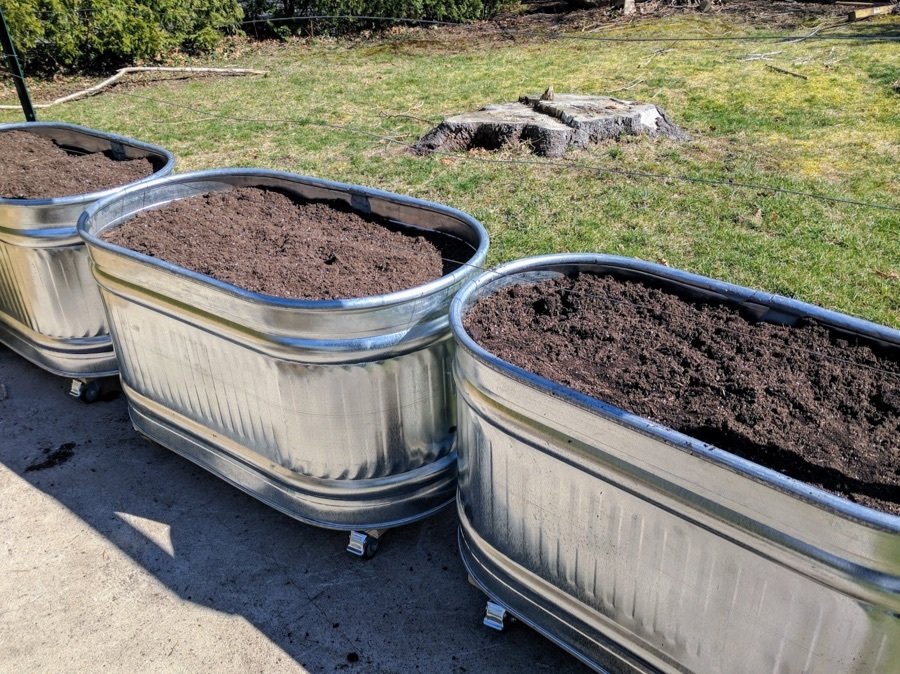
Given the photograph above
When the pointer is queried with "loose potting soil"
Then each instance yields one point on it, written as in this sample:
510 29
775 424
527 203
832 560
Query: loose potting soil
803 400
34 167
271 243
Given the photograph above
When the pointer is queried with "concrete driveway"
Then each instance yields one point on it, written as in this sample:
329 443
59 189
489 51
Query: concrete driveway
116 555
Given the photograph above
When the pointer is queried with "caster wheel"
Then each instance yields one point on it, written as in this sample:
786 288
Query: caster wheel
370 547
90 392
364 543
86 391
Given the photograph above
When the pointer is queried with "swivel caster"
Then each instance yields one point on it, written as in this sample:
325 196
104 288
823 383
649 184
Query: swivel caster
497 617
364 543
92 390
87 391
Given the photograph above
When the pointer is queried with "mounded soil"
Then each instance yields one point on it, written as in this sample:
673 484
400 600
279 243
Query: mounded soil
270 243
806 401
34 167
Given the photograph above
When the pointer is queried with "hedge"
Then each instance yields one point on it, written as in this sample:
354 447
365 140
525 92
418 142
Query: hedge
54 35
94 35
439 10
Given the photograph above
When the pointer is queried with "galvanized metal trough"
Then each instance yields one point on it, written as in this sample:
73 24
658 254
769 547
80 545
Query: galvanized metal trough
638 548
340 413
50 309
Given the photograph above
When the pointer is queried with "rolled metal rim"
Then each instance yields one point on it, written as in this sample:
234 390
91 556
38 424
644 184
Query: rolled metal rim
350 304
560 263
88 196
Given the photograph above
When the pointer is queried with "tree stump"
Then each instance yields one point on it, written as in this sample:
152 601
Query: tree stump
549 127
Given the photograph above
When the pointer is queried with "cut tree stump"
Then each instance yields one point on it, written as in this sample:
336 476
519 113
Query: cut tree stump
497 126
549 127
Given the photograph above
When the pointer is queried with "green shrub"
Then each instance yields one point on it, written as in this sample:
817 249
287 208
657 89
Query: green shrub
53 35
438 10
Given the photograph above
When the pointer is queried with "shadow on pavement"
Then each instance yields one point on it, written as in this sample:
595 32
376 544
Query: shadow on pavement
408 609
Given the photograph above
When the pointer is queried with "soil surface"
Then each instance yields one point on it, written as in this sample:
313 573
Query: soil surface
270 243
802 400
52 458
34 167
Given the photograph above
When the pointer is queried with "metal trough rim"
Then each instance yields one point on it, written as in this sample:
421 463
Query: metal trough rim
351 304
87 196
757 472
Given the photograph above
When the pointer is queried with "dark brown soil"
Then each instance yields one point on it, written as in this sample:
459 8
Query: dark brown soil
270 243
802 400
52 458
34 167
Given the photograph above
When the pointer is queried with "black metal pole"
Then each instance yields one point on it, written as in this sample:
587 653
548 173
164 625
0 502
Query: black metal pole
15 67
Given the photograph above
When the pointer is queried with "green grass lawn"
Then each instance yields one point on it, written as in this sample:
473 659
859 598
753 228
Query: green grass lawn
836 133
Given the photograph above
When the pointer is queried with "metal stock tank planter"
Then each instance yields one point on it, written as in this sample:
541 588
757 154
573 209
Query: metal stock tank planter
639 548
340 413
50 310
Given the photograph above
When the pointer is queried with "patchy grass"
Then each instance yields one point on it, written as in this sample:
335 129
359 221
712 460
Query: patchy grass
834 133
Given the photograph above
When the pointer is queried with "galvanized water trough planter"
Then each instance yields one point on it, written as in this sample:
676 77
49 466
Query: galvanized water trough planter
340 413
638 548
50 310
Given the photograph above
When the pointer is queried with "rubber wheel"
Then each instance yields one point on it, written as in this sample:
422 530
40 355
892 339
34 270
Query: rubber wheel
90 392
371 547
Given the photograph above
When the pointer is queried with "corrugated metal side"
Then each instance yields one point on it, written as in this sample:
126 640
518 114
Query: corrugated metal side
340 413
688 598
50 291
600 526
50 308
341 421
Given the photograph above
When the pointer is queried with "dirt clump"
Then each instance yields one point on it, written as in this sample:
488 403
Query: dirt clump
52 458
35 167
812 403
275 244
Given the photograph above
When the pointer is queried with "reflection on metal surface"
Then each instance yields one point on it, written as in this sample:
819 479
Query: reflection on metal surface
340 413
50 309
639 548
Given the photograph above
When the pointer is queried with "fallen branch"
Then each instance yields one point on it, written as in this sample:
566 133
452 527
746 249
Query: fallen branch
658 52
786 72
628 86
105 84
604 26
813 32
762 56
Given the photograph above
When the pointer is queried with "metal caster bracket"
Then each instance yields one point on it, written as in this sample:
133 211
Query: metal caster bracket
364 543
496 616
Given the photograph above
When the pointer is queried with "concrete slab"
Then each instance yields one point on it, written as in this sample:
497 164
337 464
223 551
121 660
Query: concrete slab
119 556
